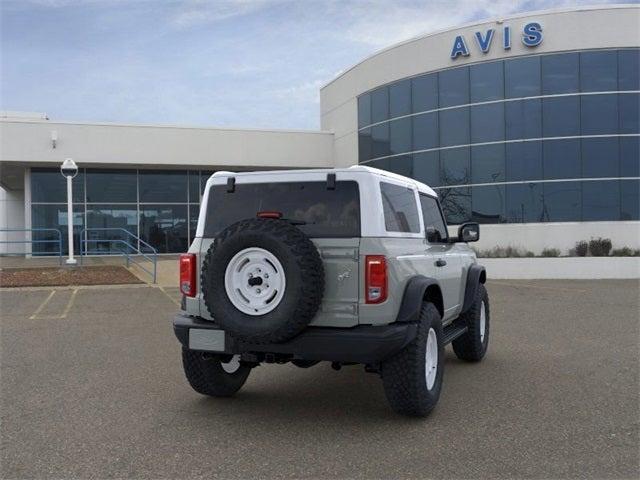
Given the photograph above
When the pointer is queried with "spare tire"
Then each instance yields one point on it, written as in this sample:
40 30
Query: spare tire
262 280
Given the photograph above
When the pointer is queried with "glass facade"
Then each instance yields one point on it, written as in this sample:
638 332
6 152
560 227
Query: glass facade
545 138
159 206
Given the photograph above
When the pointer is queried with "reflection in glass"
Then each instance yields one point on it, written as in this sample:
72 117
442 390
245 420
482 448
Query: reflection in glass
400 135
402 165
561 159
425 131
524 203
426 168
562 201
48 185
55 216
488 204
456 204
523 161
454 164
600 200
454 127
164 227
600 157
163 186
112 186
487 164
487 123
112 217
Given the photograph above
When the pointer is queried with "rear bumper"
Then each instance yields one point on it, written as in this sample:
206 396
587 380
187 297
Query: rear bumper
362 344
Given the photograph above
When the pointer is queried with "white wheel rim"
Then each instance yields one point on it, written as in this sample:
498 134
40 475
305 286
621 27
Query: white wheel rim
255 281
232 365
483 321
431 359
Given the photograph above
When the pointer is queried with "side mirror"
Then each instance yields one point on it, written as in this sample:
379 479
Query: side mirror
433 235
469 232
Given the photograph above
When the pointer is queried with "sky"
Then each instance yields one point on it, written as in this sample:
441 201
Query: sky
227 63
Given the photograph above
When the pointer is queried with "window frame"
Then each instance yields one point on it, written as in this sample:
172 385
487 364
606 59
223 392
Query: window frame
442 217
398 233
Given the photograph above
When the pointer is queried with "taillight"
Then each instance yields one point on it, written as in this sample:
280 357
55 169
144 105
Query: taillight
188 274
375 278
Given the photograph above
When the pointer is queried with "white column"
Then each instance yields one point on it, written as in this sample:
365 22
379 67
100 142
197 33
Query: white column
70 260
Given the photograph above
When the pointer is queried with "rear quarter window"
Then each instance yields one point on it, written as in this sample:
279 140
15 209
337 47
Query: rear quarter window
321 212
400 209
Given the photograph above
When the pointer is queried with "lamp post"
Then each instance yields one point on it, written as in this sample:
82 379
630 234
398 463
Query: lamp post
69 169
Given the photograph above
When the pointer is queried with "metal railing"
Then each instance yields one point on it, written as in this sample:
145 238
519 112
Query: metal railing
130 251
31 241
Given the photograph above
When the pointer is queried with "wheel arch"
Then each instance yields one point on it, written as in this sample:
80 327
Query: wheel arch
417 290
475 276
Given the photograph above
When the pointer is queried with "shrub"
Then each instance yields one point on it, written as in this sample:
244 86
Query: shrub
550 252
600 247
504 252
581 248
625 252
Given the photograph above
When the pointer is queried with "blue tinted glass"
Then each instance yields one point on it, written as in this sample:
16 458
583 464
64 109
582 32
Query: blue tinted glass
523 119
487 164
560 73
454 127
561 116
456 204
364 110
365 145
487 123
204 176
487 81
561 159
424 92
599 71
426 168
600 157
165 227
524 203
112 186
522 77
49 186
425 131
487 204
630 156
629 70
600 201
379 104
194 186
599 114
454 87
454 166
523 161
402 165
194 211
380 140
630 200
629 112
113 217
163 186
562 202
54 216
400 98
400 135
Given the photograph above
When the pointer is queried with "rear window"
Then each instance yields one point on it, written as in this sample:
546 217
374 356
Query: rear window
400 210
322 212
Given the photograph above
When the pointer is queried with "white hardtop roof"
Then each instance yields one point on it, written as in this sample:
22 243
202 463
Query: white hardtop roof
353 169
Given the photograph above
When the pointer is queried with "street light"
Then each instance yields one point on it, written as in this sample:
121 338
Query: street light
69 169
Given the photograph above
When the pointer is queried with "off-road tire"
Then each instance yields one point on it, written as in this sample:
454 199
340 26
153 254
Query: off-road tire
206 375
403 375
304 272
470 347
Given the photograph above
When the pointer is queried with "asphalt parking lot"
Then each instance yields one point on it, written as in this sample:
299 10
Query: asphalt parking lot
92 387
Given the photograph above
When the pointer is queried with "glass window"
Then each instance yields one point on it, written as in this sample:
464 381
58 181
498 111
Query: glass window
425 131
454 127
487 164
380 140
194 186
379 105
400 98
487 81
165 227
600 201
194 211
364 110
629 113
522 77
599 114
204 176
163 186
118 186
487 204
523 119
365 145
432 218
523 161
561 117
322 212
562 201
630 156
599 71
400 135
424 93
454 166
49 186
487 123
524 203
55 216
113 217
629 69
561 159
560 73
400 210
456 204
600 157
426 168
381 163
453 86
402 165
630 200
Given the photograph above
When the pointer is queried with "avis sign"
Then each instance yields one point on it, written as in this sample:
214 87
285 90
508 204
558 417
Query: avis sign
531 37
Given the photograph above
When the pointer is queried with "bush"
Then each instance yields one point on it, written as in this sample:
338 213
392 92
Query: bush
600 247
550 252
625 252
504 252
581 249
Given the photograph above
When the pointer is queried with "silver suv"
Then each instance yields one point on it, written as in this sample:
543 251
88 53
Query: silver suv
350 265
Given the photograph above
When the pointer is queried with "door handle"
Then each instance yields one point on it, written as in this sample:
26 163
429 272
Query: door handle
440 263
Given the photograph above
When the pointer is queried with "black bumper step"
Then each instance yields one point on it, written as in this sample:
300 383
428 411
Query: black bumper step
453 331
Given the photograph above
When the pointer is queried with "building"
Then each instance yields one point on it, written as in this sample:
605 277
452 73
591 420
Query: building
528 124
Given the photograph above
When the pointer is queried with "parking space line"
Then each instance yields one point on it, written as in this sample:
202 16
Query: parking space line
170 297
69 304
529 285
42 305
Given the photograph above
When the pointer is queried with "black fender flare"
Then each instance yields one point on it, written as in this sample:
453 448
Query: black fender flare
414 295
475 276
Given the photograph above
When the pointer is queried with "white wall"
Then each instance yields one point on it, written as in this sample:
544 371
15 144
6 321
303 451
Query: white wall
587 268
11 216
